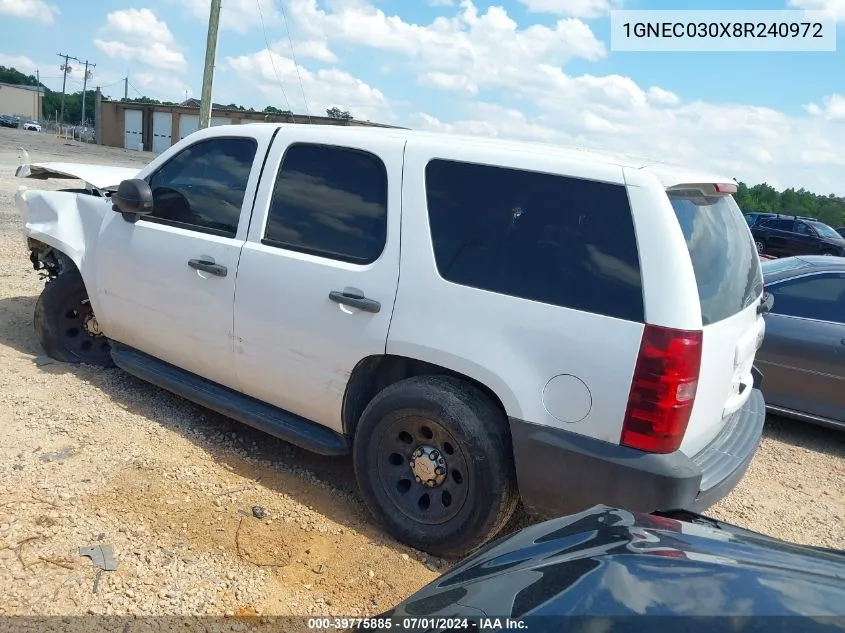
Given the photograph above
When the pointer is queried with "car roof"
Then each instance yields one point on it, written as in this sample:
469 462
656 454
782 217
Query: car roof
667 174
788 267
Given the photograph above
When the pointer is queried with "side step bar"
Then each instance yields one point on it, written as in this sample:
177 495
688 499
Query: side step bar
245 409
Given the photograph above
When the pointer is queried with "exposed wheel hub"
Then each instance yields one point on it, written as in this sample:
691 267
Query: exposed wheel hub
428 466
91 326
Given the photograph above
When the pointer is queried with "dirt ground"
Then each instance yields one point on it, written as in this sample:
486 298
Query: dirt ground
95 457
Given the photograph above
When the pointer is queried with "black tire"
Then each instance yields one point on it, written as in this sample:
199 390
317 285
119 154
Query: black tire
761 246
478 492
61 313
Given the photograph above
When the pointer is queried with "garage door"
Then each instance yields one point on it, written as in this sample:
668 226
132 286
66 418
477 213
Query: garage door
132 129
162 125
220 120
188 124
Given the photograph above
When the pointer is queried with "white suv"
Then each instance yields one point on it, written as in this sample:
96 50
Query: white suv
477 321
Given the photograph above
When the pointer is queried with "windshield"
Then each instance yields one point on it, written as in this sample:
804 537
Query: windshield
825 231
725 261
773 266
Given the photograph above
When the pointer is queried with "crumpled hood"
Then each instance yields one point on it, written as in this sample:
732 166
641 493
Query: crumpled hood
98 176
611 562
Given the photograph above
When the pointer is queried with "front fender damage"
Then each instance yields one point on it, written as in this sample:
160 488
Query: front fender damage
61 227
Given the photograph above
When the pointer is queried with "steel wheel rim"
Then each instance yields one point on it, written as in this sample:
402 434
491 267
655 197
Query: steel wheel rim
397 445
74 323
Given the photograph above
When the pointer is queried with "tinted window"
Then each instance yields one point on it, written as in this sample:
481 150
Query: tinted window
803 229
819 297
824 230
546 238
724 258
330 201
779 225
203 186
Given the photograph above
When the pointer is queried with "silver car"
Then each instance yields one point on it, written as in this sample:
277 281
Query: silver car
803 352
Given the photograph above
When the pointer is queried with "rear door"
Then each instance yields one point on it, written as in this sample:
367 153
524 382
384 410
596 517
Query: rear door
730 284
803 355
318 275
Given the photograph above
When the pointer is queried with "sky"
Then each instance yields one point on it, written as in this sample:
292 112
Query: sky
540 70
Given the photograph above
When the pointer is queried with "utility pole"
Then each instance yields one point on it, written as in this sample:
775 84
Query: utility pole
84 86
126 87
208 71
38 110
65 70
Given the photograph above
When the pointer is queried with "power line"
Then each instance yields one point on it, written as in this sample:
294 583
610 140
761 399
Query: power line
270 54
295 64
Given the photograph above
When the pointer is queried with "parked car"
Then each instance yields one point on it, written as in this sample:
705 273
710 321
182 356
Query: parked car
607 569
255 269
32 126
785 237
8 121
803 353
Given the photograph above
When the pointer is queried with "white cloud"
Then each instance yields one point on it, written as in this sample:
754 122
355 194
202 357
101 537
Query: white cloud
441 3
832 108
324 88
471 51
833 8
237 15
37 10
587 9
19 62
313 49
161 86
660 96
137 34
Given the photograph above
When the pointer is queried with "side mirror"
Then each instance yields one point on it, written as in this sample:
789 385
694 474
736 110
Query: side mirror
133 198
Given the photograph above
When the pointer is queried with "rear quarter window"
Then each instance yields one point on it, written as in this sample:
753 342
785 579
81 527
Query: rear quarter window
724 258
548 238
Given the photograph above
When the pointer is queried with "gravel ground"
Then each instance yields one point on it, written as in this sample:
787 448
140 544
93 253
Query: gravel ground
97 457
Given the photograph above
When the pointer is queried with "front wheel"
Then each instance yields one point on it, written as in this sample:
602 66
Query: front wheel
434 463
65 324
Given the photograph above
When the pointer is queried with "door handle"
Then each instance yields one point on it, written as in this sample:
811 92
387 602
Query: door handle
355 301
217 270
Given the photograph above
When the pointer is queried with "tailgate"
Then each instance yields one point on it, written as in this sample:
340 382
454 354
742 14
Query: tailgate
730 284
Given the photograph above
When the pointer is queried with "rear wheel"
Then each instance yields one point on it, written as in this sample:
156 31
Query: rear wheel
433 460
761 246
829 253
65 323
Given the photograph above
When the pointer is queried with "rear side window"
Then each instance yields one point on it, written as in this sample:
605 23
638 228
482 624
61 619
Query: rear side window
331 202
778 225
725 261
547 238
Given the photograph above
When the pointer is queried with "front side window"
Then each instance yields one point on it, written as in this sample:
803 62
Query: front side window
329 201
203 186
553 239
803 229
820 297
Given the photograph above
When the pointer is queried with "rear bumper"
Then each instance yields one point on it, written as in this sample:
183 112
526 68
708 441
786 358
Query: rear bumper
561 472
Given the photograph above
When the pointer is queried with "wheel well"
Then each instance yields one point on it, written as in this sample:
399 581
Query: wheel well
51 261
374 373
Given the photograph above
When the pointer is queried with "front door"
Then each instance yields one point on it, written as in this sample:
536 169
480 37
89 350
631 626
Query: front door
166 283
318 274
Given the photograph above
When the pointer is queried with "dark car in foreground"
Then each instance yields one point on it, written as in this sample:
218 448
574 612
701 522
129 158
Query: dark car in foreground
607 569
803 353
786 236
8 121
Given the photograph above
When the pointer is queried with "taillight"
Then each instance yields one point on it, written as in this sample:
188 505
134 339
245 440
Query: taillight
663 389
